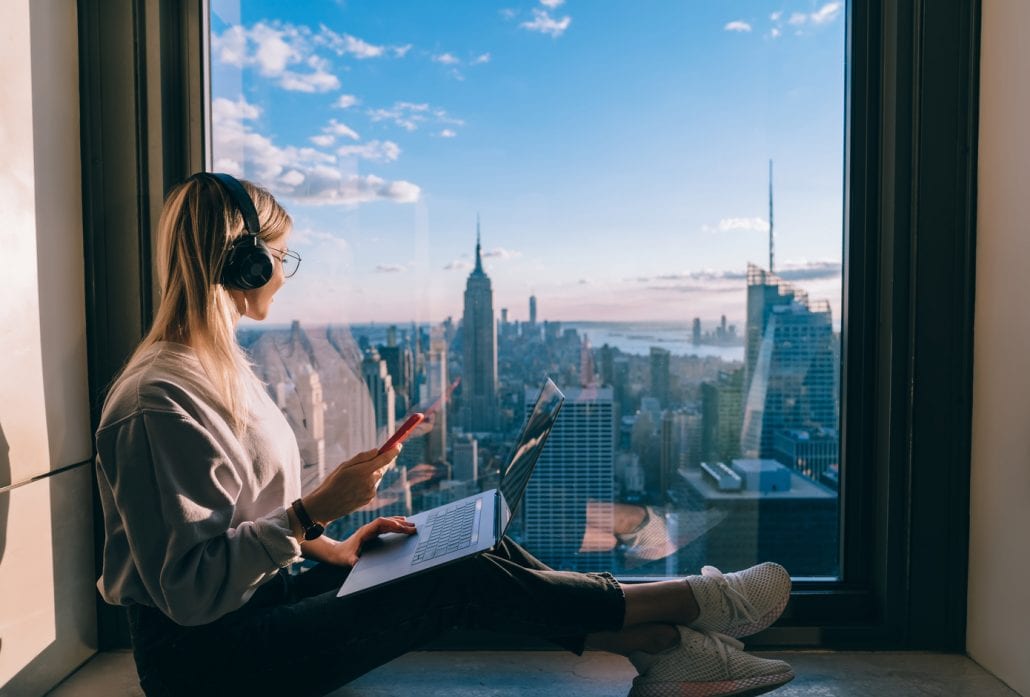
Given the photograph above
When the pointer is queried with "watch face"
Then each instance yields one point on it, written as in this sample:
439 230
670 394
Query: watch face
315 530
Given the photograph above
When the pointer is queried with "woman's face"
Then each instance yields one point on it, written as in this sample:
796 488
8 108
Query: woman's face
258 300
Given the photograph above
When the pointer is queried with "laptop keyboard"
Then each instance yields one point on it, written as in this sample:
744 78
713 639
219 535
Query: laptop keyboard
451 529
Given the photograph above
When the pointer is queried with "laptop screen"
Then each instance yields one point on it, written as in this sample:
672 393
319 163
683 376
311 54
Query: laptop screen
534 434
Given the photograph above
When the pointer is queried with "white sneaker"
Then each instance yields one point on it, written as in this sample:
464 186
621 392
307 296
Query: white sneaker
706 664
741 603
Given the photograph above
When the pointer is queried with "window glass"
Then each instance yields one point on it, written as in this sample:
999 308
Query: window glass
641 201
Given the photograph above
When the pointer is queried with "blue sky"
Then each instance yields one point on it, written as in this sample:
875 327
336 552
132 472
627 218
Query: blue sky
616 152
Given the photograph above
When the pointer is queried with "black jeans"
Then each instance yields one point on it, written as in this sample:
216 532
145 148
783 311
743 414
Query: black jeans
296 637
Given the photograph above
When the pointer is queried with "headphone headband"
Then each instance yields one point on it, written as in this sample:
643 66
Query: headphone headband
239 196
248 263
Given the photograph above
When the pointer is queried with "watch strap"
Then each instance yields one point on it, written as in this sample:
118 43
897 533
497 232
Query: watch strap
312 529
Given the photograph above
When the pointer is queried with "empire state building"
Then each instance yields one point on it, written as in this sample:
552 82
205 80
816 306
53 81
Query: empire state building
479 381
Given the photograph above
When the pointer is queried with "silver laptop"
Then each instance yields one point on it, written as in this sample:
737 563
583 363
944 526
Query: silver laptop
464 528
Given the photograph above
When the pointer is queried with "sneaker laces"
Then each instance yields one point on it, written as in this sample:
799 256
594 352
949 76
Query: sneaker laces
732 588
722 643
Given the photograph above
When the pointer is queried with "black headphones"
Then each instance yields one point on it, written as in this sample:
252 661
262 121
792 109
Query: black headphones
248 261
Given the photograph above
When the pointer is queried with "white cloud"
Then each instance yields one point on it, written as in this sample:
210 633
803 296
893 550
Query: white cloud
729 281
336 128
310 237
481 58
737 25
345 101
410 115
344 44
327 185
457 265
810 270
827 13
292 178
375 150
389 268
501 253
323 141
544 23
231 46
733 224
401 51
447 133
226 110
318 81
552 3
508 13
301 174
446 59
275 50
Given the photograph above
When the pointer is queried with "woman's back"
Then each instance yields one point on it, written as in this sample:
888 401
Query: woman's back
183 493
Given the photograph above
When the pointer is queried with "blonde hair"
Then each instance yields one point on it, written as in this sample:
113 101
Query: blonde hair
198 223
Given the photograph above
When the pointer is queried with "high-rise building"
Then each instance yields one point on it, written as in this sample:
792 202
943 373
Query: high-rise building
586 364
380 390
696 331
479 370
763 511
765 291
309 390
532 309
621 385
437 393
792 370
722 416
400 363
679 439
660 374
577 465
814 453
465 460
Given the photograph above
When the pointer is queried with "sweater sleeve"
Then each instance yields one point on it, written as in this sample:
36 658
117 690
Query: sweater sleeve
175 490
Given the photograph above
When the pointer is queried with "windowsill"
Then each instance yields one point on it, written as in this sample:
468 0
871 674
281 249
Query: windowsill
547 673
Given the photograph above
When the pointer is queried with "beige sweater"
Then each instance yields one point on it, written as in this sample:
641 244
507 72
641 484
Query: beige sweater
195 517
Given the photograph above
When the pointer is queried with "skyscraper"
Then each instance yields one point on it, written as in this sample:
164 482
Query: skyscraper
479 370
436 389
721 414
577 465
380 389
532 309
660 374
792 377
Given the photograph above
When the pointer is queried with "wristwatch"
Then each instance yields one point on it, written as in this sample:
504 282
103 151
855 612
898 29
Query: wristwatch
312 530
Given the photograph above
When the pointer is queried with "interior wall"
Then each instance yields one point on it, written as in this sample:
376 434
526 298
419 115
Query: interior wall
47 597
998 631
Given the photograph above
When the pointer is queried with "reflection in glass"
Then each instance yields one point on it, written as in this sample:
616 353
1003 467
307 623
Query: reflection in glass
627 197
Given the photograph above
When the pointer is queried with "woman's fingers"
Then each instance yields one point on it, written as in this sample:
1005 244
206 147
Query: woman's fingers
370 461
391 524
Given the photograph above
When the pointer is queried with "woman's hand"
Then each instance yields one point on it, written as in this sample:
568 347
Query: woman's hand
350 486
346 553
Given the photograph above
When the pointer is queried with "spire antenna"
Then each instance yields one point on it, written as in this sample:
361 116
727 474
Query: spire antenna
479 259
770 215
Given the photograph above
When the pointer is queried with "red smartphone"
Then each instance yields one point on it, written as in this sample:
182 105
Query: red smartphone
403 432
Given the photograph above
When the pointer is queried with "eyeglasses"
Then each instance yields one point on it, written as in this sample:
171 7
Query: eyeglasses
289 260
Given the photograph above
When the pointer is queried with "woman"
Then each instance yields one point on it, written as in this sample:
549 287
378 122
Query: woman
199 475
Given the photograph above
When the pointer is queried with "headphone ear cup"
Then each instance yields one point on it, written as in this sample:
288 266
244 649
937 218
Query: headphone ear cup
248 265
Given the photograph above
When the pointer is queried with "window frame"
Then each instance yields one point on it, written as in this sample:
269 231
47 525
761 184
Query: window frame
910 210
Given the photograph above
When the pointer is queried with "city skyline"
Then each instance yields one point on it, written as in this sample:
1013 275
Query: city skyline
626 184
